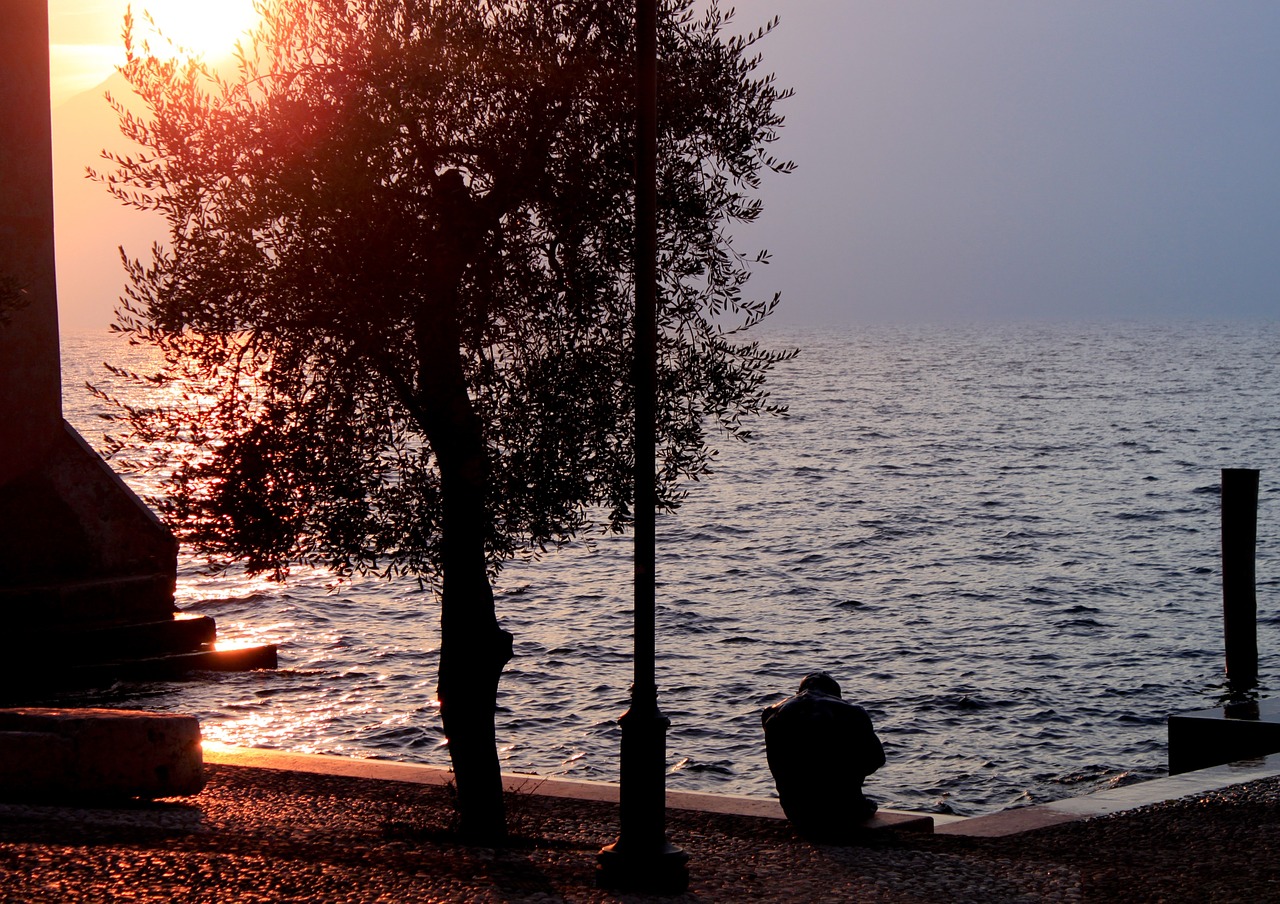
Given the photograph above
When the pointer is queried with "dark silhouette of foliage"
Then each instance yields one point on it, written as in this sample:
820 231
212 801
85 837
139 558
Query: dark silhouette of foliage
395 301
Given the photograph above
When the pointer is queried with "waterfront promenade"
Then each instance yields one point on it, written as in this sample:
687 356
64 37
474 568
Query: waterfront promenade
267 834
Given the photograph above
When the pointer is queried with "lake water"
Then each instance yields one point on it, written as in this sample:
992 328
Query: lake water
1002 541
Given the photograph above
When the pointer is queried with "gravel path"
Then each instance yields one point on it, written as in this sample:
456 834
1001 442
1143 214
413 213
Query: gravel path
263 835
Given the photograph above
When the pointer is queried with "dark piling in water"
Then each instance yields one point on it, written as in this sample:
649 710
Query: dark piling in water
1239 599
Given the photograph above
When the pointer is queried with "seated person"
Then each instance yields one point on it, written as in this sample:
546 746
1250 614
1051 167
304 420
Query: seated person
820 750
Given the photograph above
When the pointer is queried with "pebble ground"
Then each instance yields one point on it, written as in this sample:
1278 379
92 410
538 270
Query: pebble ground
260 835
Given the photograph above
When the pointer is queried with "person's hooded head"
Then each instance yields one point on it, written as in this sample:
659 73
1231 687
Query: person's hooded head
819 682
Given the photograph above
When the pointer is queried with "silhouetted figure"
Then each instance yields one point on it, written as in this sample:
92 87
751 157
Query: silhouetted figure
821 749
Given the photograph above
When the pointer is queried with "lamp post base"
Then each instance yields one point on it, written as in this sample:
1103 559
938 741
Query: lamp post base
663 870
642 859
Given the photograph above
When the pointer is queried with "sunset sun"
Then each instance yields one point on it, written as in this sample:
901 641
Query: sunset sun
208 29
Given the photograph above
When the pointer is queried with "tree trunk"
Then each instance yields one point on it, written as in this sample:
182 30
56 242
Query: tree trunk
473 648
472 654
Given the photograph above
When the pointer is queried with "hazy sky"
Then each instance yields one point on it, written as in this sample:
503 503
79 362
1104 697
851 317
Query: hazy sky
958 160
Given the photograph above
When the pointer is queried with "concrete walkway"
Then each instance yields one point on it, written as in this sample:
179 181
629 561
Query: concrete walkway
285 827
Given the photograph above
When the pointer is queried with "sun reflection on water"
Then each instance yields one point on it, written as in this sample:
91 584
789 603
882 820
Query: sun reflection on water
951 557
268 729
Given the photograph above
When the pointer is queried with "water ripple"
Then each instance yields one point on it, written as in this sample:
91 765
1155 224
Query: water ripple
1002 541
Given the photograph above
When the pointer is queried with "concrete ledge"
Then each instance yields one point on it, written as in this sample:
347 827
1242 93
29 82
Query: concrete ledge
520 783
1115 800
1006 822
1225 734
63 754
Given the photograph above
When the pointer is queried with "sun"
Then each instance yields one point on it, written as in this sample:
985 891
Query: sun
208 28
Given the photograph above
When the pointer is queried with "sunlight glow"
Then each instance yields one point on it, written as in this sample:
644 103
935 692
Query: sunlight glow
208 29
226 646
85 35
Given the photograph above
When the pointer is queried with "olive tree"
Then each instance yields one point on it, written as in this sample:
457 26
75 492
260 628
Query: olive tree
395 297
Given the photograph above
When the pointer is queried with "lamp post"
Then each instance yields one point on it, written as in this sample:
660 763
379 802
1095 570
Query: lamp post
642 857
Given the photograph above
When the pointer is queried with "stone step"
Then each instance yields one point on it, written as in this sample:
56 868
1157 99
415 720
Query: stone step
62 755
156 651
178 665
183 634
86 604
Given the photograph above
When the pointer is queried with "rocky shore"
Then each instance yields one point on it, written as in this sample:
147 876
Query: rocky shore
264 835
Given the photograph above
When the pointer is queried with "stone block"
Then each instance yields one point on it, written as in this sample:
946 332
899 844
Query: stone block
98 754
32 759
1224 734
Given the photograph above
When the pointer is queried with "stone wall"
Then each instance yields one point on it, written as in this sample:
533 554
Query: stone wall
76 546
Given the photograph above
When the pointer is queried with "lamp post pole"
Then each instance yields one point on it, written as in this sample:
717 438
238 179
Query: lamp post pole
642 856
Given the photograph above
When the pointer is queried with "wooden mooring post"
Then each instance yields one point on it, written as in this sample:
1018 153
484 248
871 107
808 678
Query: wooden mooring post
1239 598
1243 726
